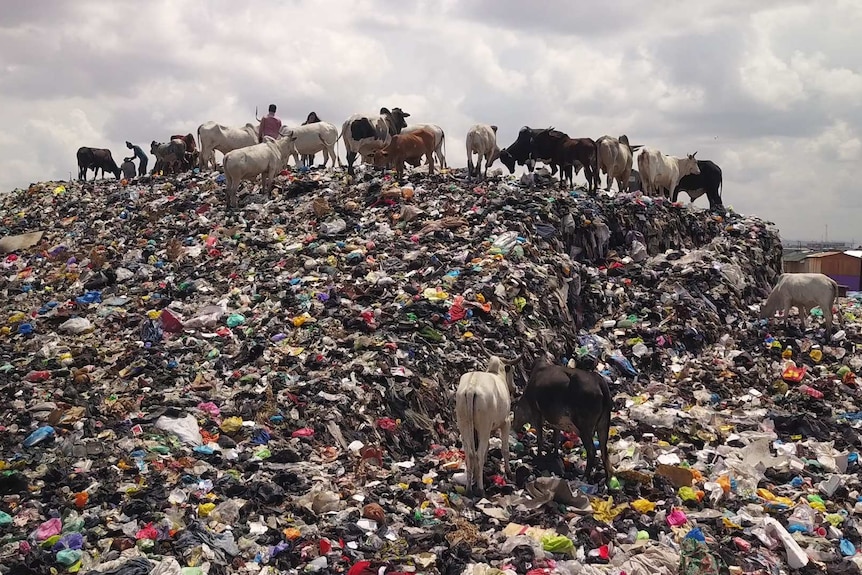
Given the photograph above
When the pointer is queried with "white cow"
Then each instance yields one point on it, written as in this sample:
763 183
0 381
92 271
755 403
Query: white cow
482 404
213 136
662 172
309 139
805 291
364 134
439 139
615 160
267 158
482 141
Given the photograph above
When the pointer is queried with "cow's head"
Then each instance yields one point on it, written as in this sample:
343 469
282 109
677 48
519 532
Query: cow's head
380 158
507 160
154 146
395 119
689 166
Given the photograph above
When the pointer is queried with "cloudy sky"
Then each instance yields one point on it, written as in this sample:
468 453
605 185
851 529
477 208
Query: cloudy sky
771 94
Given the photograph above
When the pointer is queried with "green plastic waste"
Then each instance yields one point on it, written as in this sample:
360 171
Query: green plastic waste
558 544
68 557
687 494
235 319
5 518
696 559
431 334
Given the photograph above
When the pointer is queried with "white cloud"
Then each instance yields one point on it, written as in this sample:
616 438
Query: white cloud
768 90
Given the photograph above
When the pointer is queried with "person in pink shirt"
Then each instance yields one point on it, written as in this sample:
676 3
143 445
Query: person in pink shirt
269 125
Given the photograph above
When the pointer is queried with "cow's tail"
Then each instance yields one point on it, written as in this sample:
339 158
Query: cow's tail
471 406
835 301
720 185
596 165
202 157
443 143
337 156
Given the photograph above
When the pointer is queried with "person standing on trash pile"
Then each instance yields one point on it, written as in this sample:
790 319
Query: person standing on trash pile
269 125
128 168
141 156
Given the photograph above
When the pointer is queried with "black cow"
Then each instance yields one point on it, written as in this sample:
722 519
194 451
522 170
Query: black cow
580 153
570 400
312 118
708 182
556 149
523 151
96 159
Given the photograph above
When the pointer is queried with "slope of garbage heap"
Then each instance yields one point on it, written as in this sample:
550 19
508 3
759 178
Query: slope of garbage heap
271 391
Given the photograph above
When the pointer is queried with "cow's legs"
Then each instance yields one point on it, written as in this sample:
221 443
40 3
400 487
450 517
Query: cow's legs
325 153
556 449
591 455
603 431
482 457
540 435
468 439
351 157
470 165
827 316
803 314
610 181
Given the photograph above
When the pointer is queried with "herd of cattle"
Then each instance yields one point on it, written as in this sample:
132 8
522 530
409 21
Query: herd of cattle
385 140
566 398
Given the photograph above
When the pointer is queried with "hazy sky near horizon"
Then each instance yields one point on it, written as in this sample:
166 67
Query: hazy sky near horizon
768 90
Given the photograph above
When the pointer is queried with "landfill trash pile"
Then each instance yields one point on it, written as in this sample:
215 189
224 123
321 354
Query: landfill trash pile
271 390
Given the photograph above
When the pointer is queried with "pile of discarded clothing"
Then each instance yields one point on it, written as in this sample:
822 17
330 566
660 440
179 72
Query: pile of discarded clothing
187 390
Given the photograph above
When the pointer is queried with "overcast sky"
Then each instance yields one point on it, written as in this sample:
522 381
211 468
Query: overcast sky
772 94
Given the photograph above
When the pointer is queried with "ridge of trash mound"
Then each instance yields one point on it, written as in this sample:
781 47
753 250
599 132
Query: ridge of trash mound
274 386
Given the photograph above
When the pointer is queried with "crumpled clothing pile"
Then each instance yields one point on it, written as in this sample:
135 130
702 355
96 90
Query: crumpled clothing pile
191 391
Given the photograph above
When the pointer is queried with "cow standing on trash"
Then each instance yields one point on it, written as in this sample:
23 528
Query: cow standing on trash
365 134
96 159
482 141
568 399
482 404
216 137
267 159
169 156
805 291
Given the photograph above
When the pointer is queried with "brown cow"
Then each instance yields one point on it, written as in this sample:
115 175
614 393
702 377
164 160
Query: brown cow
190 159
407 147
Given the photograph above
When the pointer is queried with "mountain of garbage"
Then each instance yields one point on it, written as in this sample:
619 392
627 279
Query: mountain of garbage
271 390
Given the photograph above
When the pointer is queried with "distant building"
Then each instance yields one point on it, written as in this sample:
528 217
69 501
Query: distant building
844 267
